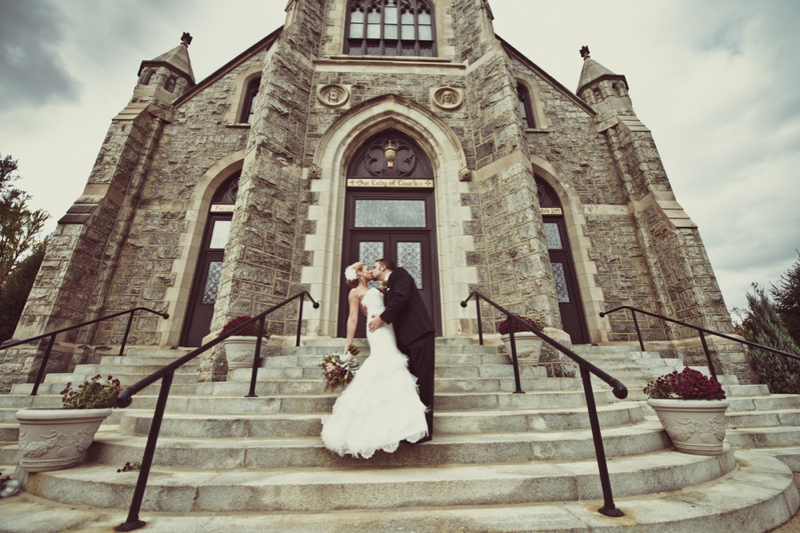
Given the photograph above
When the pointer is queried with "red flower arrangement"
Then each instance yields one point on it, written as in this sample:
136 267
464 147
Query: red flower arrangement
251 330
92 394
685 385
502 327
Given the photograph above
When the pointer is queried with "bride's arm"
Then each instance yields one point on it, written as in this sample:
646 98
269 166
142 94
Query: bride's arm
352 318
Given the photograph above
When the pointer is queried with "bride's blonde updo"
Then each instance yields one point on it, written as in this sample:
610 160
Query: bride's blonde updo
350 274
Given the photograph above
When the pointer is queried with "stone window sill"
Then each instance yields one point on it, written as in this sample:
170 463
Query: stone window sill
535 130
238 125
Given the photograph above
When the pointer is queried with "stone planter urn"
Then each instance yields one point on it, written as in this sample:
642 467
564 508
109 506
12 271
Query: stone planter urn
54 439
240 350
529 346
695 426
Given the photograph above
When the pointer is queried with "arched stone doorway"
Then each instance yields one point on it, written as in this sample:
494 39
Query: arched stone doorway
390 212
570 304
208 268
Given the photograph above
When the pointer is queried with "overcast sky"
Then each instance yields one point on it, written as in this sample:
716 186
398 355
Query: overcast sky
715 80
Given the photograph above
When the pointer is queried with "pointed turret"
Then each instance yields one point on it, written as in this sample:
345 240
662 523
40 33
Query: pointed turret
168 76
605 91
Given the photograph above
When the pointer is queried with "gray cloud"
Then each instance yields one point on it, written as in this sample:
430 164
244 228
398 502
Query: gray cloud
31 71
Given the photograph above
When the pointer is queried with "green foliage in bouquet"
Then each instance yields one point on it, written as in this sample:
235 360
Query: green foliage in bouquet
92 394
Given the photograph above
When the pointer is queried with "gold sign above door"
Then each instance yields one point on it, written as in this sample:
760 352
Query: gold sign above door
393 183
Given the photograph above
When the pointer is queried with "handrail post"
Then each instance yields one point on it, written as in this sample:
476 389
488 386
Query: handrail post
638 331
480 324
127 330
708 357
256 358
511 326
608 508
40 375
133 521
300 319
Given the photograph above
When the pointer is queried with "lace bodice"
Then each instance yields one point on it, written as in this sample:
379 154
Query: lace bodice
373 301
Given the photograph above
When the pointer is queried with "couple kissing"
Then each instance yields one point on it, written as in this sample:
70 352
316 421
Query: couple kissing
382 406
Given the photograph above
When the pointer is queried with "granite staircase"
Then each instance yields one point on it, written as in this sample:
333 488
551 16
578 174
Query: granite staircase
498 462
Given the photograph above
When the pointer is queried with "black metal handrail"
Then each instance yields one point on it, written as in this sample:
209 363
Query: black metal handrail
52 335
165 374
587 368
703 332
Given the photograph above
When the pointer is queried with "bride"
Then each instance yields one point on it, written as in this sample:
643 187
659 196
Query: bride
381 406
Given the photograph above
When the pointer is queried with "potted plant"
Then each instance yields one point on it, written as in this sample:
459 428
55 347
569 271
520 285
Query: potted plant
241 347
54 439
691 407
529 346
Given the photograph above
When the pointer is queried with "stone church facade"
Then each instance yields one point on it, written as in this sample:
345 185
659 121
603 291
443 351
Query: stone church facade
223 197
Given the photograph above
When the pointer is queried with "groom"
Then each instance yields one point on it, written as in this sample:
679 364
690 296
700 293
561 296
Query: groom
412 327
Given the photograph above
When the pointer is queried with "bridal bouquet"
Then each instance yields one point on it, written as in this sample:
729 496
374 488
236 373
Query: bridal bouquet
339 370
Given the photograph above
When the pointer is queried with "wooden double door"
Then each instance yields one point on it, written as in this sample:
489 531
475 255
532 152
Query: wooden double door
398 225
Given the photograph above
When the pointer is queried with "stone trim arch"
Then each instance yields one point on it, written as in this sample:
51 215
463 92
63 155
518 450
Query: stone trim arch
238 98
444 151
591 295
530 82
196 215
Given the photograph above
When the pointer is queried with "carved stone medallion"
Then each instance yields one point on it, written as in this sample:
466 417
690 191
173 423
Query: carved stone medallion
447 98
314 172
333 95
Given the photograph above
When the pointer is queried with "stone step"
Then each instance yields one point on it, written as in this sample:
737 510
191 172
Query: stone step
106 370
444 450
137 422
156 351
315 386
756 497
324 489
9 455
9 432
125 378
56 388
762 437
442 371
313 361
146 360
765 403
751 419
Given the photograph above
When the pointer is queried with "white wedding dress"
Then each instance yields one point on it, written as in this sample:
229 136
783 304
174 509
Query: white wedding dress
381 406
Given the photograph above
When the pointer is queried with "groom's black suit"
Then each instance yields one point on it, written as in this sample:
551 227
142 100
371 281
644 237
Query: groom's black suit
415 333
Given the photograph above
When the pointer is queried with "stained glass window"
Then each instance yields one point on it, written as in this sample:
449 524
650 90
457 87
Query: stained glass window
390 214
220 233
393 27
553 236
368 253
212 282
561 283
409 256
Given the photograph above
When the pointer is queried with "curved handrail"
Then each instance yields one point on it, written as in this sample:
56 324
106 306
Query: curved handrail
587 368
52 335
703 332
165 374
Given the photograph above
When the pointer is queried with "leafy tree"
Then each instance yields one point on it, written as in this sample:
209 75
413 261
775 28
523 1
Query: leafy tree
18 224
763 325
14 292
787 300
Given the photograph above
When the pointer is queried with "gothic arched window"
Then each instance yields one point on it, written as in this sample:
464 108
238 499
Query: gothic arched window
525 109
390 28
249 108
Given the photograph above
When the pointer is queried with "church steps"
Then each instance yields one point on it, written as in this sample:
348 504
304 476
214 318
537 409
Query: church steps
311 386
737 419
290 452
763 437
137 422
126 378
757 496
324 489
48 388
